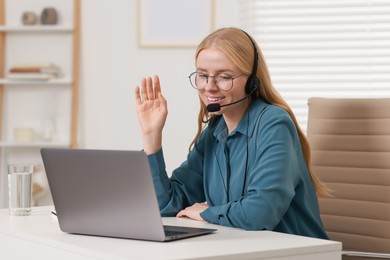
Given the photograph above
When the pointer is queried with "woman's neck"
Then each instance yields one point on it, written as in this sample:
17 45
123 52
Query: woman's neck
233 117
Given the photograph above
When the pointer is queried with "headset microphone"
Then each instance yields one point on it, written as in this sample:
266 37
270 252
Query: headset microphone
214 107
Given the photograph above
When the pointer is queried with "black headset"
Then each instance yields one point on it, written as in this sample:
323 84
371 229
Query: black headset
253 82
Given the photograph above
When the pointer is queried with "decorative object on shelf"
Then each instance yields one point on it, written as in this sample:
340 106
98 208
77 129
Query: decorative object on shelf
48 129
49 16
36 189
24 134
35 71
29 18
40 188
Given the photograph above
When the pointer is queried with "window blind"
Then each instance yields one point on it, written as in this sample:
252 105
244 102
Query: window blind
324 48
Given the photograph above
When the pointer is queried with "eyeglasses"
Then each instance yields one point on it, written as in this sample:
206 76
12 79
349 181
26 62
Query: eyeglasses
224 82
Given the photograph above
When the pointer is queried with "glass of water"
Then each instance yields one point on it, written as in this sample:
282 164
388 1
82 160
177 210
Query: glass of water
20 189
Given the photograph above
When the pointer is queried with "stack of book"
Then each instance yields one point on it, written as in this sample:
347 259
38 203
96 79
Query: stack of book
34 72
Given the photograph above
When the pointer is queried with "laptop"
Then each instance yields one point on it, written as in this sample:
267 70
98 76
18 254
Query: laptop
108 193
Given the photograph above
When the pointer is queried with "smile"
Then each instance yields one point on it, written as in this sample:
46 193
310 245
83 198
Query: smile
214 100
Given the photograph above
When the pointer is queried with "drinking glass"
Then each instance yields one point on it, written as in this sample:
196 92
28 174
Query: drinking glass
20 189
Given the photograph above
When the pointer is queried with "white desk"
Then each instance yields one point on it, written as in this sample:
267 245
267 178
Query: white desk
38 237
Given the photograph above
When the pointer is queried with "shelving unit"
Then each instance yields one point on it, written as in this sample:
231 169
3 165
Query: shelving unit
32 103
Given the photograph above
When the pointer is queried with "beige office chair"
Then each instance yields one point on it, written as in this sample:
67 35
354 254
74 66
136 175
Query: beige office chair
350 142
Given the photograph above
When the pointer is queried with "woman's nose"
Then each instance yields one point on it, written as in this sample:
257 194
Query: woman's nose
211 83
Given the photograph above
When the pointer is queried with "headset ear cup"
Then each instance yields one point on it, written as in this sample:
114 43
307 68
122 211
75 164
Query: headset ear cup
251 84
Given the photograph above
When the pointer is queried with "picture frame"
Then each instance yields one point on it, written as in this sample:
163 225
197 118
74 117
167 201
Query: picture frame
174 23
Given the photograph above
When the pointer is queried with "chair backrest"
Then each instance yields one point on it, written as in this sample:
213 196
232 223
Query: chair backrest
350 142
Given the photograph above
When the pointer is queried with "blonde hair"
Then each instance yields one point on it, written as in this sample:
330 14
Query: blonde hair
236 44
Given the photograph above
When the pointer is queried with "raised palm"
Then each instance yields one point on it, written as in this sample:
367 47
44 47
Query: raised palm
151 106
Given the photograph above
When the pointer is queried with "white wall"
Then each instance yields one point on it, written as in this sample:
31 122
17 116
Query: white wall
112 65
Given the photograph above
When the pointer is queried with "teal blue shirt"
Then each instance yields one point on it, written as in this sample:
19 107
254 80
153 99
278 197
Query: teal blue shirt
255 178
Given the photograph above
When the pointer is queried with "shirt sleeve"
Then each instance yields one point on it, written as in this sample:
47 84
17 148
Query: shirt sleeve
184 188
272 178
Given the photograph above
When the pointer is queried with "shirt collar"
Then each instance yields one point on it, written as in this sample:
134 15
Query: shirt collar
245 126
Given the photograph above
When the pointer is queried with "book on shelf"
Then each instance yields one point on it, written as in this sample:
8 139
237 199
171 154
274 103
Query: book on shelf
47 70
36 71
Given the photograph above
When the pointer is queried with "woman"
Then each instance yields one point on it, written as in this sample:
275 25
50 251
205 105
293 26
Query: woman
248 164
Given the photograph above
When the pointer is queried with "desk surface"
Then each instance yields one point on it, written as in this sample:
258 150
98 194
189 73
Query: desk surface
38 236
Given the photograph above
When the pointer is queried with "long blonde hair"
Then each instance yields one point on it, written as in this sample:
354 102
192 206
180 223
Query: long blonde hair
236 44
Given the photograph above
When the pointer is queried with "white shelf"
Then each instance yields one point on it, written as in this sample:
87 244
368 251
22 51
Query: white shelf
60 81
35 28
33 144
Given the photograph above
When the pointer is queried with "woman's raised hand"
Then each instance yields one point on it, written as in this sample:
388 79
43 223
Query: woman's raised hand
152 112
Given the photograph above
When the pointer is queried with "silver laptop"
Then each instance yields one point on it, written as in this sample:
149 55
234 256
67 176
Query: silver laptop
108 193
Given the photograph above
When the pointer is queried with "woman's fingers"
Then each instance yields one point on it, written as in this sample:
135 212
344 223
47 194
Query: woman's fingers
157 87
143 90
149 89
193 211
138 100
157 90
